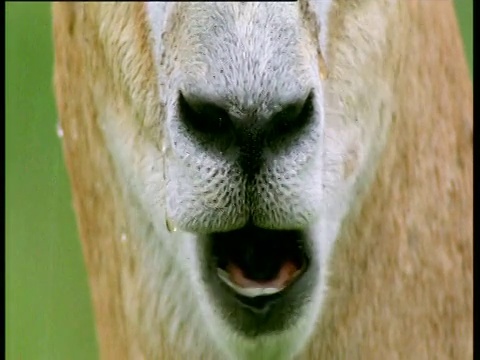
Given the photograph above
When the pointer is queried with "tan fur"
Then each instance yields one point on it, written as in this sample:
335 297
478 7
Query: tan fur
401 284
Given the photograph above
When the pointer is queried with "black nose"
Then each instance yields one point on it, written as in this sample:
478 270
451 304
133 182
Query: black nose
249 132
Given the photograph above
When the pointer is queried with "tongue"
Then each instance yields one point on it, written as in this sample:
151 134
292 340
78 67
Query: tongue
286 273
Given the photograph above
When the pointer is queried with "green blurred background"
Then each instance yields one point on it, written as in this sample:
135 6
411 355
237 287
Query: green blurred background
48 310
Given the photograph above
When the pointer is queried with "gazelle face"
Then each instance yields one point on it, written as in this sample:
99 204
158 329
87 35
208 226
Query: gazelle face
243 164
243 133
253 179
229 146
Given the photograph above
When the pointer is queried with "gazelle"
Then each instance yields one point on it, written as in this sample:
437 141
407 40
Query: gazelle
271 180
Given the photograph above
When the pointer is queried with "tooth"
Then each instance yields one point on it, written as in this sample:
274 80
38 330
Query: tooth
248 292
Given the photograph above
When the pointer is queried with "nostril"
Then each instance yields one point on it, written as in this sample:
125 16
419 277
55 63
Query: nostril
291 119
204 117
244 138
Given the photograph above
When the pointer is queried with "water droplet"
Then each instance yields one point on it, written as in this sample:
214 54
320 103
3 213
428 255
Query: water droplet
170 226
59 130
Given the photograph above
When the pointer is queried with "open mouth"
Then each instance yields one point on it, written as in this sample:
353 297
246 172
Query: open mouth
255 262
258 275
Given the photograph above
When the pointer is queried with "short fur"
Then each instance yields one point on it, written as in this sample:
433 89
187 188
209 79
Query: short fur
383 177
